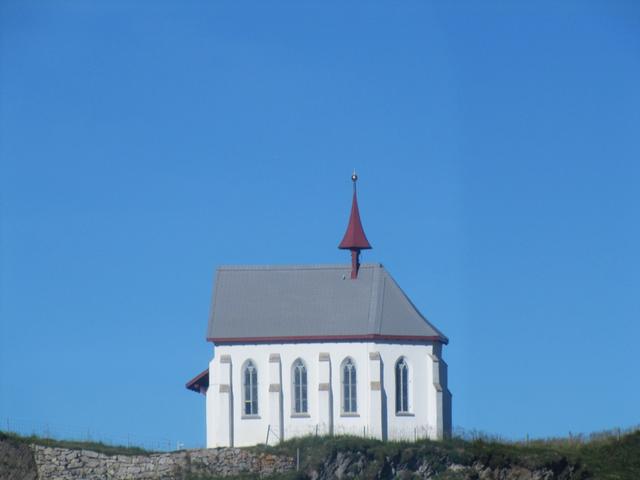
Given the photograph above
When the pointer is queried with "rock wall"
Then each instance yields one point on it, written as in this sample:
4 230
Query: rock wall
65 464
16 460
349 465
21 461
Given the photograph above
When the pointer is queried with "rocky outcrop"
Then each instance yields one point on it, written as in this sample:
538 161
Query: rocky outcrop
16 461
320 460
66 464
351 465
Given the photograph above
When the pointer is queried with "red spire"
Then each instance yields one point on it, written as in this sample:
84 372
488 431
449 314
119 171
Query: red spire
354 238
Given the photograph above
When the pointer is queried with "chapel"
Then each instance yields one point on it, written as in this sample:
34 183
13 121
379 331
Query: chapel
321 349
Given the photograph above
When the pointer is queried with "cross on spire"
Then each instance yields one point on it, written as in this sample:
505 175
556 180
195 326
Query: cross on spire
354 238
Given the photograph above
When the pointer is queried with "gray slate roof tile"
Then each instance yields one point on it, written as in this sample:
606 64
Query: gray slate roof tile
310 301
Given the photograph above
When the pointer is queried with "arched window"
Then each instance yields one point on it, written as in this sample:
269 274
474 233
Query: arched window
349 397
299 387
402 386
250 385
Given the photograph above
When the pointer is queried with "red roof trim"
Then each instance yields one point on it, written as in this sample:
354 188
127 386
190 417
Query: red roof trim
328 338
200 380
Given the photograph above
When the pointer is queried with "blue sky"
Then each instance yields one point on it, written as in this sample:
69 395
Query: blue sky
142 144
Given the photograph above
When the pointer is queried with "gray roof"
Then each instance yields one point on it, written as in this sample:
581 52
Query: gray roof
255 303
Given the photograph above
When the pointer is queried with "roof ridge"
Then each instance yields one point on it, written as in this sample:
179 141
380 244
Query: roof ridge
416 310
375 302
311 266
214 298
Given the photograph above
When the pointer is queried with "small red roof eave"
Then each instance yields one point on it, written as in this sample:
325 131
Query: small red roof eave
329 338
198 382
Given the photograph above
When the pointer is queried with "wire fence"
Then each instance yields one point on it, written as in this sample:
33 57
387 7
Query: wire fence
54 431
572 438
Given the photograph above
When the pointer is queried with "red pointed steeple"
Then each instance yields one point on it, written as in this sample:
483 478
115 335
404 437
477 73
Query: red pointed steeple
354 238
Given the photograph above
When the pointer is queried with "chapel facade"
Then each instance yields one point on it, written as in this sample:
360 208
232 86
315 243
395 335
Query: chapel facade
321 349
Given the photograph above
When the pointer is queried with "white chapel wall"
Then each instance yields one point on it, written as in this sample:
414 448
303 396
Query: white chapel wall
375 416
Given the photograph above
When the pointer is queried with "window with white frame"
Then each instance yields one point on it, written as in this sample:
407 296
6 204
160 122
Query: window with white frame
250 385
349 395
402 386
299 387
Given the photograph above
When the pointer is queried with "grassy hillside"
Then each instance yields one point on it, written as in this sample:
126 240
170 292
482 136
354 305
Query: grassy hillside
74 444
609 457
605 457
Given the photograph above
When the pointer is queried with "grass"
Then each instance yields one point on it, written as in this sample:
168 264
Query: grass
604 456
377 455
610 457
75 444
438 454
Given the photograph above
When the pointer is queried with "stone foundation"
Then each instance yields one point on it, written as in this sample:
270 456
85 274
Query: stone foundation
66 464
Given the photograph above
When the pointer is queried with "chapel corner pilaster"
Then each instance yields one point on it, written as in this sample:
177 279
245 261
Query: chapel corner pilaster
376 396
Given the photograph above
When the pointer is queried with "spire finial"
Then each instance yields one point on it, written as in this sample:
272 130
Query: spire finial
354 238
